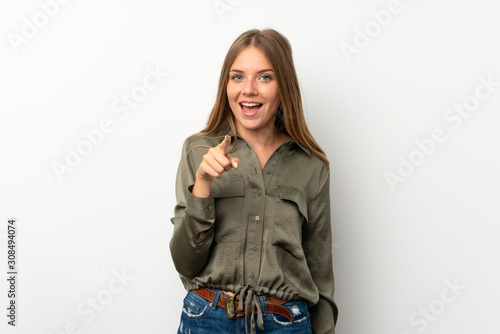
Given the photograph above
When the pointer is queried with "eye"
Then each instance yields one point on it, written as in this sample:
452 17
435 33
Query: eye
266 77
236 77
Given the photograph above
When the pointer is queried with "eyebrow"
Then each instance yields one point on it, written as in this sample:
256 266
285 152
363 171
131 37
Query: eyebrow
261 71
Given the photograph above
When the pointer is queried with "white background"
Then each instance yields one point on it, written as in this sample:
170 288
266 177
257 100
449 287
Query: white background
397 248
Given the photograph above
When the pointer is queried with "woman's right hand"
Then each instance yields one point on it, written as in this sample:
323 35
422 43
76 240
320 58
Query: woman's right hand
214 164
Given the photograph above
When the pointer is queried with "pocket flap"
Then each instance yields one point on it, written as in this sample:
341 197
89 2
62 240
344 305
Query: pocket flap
289 193
231 186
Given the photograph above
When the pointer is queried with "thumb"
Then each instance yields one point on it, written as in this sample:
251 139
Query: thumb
235 162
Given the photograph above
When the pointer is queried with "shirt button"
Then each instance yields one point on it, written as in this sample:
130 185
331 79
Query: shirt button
257 218
252 275
259 192
268 172
254 247
210 208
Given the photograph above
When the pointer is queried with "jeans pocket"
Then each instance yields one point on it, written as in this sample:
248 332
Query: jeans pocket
194 306
299 312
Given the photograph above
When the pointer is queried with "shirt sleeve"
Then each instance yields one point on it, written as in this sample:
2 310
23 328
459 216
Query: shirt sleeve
192 215
317 244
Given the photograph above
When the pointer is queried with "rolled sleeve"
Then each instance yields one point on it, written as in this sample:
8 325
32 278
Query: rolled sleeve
192 215
201 210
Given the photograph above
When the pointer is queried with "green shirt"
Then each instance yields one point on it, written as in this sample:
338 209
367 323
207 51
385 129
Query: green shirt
268 229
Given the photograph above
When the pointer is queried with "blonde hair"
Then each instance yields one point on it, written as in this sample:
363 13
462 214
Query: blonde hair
290 116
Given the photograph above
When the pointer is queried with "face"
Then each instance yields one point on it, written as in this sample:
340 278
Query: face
252 91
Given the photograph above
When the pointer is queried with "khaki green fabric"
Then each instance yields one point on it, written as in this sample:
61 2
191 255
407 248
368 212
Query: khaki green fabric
269 229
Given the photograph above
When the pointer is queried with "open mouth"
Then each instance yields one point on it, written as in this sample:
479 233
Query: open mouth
250 108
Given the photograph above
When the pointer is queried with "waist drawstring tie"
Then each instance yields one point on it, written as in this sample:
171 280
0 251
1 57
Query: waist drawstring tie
247 295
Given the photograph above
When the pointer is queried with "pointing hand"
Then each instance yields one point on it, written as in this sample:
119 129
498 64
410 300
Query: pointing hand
214 164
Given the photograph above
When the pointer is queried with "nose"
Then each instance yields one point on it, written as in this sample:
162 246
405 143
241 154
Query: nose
249 88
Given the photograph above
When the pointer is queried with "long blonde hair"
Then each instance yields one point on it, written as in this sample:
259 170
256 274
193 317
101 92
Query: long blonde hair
290 116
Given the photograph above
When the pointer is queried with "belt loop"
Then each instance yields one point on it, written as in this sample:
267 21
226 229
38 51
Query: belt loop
262 300
216 299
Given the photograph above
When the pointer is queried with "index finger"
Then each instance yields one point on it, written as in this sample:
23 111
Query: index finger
224 145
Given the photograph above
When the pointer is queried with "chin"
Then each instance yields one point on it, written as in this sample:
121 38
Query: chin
249 126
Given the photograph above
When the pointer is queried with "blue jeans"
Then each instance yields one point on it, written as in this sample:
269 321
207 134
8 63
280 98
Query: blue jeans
202 317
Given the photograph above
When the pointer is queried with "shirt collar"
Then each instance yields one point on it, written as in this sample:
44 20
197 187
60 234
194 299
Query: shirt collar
305 149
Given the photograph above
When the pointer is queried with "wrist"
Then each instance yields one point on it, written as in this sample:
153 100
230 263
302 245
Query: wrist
202 187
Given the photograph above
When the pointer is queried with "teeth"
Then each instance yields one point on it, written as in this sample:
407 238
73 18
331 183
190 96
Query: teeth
250 104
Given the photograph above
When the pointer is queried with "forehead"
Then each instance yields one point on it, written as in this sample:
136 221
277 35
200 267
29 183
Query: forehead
251 58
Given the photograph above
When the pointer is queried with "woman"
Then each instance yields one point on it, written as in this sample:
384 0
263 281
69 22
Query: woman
252 234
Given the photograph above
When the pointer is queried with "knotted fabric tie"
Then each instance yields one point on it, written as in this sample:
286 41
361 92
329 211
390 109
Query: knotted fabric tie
248 296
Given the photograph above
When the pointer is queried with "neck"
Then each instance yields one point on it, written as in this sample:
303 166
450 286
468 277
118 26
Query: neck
261 138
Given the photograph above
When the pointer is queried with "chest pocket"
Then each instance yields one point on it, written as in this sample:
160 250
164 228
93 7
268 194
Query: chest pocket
291 214
228 194
293 195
